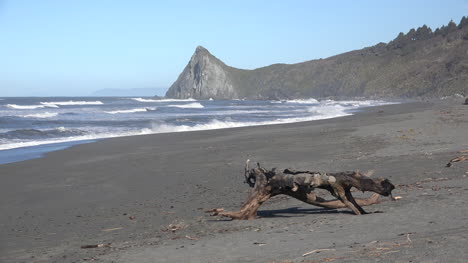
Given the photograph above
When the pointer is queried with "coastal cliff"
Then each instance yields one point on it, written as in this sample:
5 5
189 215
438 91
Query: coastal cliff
421 63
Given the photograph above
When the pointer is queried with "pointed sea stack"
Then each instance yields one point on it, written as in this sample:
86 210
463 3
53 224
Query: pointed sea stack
204 77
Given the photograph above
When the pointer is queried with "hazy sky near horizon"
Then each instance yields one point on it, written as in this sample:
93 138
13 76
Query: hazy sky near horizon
72 48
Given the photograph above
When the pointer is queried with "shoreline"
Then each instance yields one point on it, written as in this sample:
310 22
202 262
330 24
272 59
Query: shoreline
40 150
37 151
127 190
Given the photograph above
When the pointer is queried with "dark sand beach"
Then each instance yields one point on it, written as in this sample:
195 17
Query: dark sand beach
128 191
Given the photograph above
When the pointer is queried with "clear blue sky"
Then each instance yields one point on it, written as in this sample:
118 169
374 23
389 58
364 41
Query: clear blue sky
54 48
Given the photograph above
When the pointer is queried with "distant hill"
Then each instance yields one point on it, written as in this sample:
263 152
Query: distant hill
420 63
130 92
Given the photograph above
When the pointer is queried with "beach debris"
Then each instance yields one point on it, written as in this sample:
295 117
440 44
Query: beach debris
419 185
397 197
112 229
191 238
178 225
457 159
381 248
259 243
97 245
317 251
300 185
168 212
408 239
174 228
132 217
214 211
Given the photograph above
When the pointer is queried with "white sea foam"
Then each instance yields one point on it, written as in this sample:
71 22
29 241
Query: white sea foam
217 124
71 102
40 115
25 107
181 100
131 110
327 109
162 100
19 144
353 104
194 105
144 100
303 101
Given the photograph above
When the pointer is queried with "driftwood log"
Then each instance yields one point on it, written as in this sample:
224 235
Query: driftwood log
300 185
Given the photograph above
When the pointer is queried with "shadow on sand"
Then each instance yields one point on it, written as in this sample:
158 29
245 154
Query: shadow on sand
297 211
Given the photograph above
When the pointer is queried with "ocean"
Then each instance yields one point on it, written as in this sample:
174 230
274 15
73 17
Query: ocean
32 126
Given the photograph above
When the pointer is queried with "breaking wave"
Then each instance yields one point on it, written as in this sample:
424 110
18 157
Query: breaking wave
131 110
27 107
40 115
39 134
72 136
218 124
194 105
52 104
71 102
161 100
303 101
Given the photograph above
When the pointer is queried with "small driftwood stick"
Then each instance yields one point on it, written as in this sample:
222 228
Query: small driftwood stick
457 159
96 245
300 185
317 251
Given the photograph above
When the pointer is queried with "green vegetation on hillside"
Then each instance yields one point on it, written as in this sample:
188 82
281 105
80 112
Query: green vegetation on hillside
420 63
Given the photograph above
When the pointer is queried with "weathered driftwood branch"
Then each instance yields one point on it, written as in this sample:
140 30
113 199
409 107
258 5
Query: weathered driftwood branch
457 159
300 185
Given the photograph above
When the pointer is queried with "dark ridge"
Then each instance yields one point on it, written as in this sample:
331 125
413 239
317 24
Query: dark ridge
420 63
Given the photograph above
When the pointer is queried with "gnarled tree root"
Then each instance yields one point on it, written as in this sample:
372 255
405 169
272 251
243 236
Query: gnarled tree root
300 185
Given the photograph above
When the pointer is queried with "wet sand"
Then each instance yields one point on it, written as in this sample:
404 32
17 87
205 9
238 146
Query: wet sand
128 191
